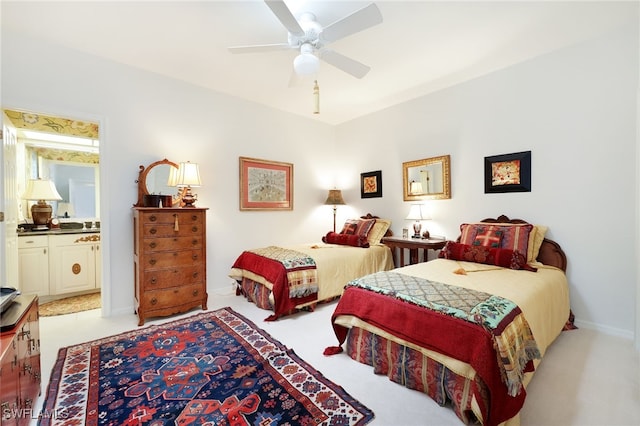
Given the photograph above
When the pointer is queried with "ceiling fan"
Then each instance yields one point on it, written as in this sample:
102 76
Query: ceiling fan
309 37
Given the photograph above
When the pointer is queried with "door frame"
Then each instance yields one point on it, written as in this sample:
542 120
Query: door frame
104 196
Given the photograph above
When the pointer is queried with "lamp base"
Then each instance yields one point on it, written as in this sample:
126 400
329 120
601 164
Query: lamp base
417 226
41 214
188 198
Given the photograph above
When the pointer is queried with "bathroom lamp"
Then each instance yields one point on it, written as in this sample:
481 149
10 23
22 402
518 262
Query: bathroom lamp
42 190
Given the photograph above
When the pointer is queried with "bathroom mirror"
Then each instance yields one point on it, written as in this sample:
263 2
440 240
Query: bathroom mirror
154 180
427 179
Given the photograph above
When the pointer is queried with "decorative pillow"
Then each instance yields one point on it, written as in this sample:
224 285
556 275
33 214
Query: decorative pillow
345 239
488 237
514 236
535 241
350 227
364 227
505 258
358 227
378 230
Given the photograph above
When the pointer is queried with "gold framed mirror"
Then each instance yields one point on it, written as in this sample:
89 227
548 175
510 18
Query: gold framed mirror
154 179
427 179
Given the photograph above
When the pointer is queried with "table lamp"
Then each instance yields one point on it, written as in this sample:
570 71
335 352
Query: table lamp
188 176
41 190
418 213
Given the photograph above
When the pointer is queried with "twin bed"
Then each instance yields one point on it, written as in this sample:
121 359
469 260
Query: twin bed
289 279
468 328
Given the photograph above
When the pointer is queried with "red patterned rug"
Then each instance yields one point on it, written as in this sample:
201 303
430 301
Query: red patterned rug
213 368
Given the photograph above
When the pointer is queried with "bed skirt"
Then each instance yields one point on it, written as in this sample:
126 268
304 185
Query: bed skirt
260 295
414 370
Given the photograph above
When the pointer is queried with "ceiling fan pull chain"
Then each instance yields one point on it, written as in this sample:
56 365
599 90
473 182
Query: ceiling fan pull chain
316 97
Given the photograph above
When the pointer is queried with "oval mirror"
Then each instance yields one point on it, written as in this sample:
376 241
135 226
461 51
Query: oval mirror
155 180
427 179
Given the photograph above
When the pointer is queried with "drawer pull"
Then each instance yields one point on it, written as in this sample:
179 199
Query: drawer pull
194 217
152 261
154 280
153 218
153 245
195 275
194 229
195 292
152 231
194 257
154 301
194 242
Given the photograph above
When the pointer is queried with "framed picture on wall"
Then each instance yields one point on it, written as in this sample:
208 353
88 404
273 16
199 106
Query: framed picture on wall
371 184
265 185
508 173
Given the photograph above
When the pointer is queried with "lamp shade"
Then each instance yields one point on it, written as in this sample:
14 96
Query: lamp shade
417 212
41 189
188 175
415 187
334 198
173 176
65 210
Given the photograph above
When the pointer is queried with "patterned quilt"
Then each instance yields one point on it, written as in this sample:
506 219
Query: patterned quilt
510 331
488 332
293 274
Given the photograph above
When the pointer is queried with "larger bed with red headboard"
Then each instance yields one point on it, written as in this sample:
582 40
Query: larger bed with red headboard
467 328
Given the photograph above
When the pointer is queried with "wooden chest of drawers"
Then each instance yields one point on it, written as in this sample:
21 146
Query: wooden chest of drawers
169 260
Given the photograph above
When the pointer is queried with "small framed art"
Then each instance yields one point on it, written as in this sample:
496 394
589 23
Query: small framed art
508 173
265 185
371 184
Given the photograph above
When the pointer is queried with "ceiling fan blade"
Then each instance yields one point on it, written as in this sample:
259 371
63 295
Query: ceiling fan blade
359 20
284 15
259 48
344 63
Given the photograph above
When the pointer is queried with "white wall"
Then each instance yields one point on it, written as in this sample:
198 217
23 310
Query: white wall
145 118
574 109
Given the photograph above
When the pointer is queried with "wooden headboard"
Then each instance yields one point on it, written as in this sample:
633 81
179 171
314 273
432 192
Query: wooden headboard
550 252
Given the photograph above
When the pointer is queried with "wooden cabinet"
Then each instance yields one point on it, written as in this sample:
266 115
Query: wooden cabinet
75 263
33 264
169 260
20 364
59 264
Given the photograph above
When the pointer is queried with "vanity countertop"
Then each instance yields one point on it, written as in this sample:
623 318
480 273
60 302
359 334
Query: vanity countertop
58 232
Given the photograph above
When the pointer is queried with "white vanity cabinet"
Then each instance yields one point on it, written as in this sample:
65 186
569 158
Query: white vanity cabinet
33 264
74 262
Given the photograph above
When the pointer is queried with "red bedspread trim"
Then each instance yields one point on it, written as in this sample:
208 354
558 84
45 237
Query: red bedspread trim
433 330
274 272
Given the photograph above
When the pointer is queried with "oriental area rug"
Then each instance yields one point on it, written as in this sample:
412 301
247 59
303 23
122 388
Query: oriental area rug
214 368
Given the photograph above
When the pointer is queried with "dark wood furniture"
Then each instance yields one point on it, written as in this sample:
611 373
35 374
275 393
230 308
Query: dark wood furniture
169 260
20 363
414 245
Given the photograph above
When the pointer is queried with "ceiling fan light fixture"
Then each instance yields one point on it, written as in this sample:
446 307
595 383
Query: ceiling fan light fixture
306 62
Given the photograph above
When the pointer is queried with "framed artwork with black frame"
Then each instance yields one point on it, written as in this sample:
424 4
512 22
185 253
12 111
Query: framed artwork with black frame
371 184
508 173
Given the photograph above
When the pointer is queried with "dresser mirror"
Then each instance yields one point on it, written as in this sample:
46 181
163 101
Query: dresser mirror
427 179
154 179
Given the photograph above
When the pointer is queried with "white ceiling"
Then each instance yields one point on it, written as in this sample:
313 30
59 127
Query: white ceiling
420 47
